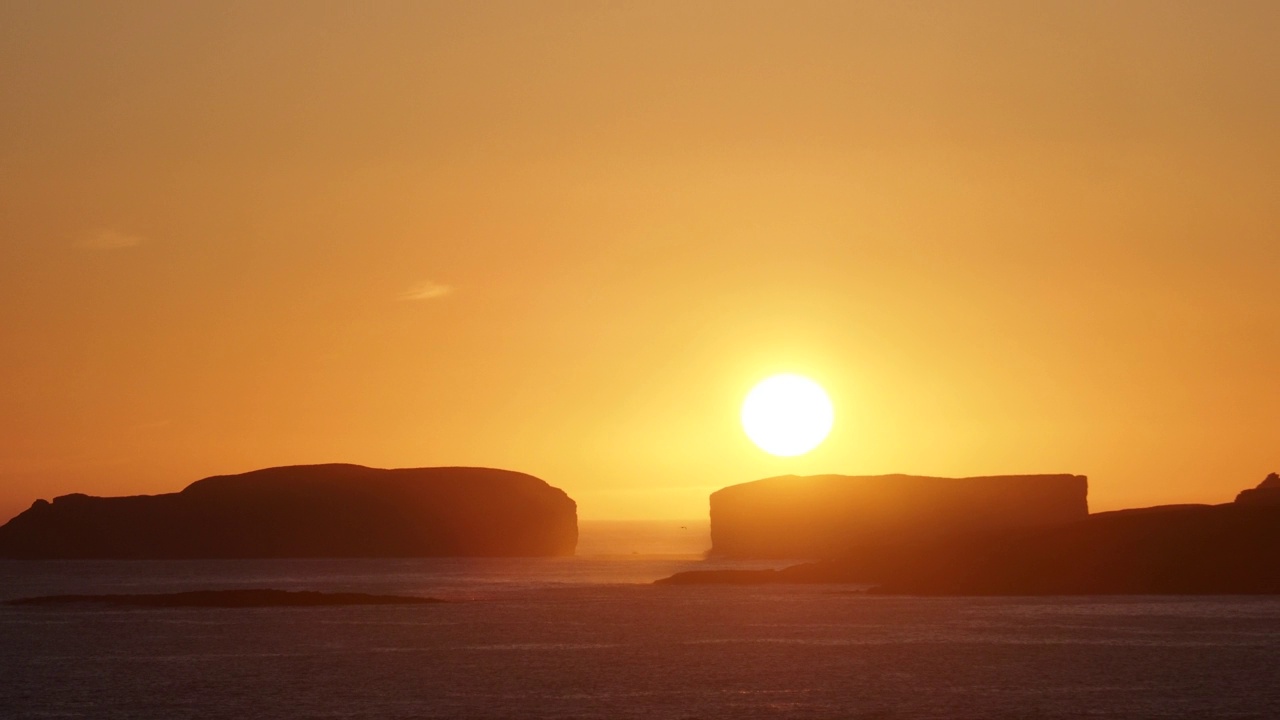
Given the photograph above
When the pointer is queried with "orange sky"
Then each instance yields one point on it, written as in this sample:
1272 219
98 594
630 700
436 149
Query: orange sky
566 238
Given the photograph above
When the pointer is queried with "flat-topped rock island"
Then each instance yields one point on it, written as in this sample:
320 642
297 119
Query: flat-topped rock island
335 510
822 516
975 541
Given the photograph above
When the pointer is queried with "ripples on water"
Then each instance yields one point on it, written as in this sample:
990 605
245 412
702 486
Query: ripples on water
584 637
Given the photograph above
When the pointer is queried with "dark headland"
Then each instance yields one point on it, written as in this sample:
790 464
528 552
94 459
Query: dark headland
309 511
914 541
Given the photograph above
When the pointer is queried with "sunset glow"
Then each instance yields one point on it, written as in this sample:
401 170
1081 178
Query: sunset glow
566 238
639 358
787 415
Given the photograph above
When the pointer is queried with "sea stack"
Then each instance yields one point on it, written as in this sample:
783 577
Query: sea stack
309 511
823 516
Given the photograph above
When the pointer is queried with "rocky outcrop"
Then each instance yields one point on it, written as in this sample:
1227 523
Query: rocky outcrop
825 516
1268 491
1175 549
309 511
1180 549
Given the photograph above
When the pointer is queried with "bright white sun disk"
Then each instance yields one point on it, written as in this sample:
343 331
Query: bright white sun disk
787 415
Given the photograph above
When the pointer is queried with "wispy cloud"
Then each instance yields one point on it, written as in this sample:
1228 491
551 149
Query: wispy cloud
426 291
109 240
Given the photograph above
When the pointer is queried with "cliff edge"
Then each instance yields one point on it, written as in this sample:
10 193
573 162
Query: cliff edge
824 516
309 511
1233 548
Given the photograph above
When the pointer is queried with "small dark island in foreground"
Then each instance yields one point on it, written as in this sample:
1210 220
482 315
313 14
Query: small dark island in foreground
251 598
1233 548
309 511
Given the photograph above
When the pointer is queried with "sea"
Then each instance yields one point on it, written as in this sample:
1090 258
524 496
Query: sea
591 636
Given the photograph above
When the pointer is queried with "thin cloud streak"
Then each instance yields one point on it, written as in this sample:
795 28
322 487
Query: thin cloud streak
426 291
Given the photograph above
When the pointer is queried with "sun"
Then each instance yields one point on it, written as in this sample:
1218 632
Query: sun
787 415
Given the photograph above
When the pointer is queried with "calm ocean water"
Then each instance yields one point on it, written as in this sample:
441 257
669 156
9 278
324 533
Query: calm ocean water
589 637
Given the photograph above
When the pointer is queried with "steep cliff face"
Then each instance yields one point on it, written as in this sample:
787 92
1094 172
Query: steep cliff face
824 516
1173 549
309 511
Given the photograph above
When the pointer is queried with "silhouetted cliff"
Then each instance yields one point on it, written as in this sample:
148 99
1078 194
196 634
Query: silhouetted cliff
824 516
1180 549
1176 549
1268 491
309 511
